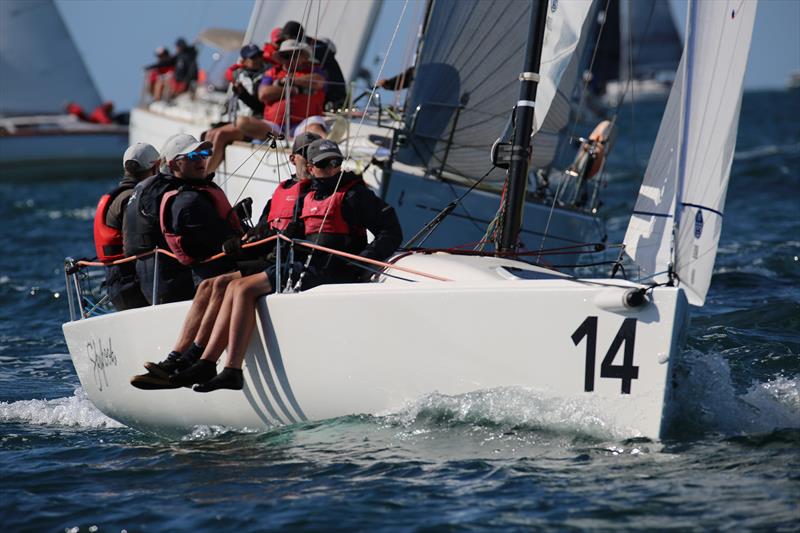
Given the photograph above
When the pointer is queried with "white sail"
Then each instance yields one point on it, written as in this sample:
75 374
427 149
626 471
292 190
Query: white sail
693 187
347 23
40 67
564 41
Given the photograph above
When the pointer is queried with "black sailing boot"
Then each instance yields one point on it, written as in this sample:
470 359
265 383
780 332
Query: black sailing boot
199 372
229 378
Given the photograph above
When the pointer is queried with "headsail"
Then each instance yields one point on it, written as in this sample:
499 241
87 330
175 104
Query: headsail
470 57
40 67
347 23
708 93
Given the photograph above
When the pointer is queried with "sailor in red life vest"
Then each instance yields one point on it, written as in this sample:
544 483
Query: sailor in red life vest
199 333
139 162
351 210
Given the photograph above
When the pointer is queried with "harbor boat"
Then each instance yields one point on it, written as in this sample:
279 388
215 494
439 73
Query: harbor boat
434 154
41 69
452 323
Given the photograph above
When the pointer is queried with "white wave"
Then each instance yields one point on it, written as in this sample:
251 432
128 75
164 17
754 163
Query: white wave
73 411
82 213
512 407
708 401
766 150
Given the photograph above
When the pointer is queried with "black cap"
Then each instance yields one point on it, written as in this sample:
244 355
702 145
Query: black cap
249 51
293 30
181 42
323 149
302 141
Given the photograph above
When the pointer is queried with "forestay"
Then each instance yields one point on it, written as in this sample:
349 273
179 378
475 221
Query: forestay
467 81
687 176
40 67
347 23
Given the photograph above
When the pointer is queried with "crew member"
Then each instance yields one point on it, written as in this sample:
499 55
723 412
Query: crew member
352 208
139 162
280 213
141 228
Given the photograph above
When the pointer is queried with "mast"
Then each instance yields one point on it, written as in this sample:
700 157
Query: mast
518 170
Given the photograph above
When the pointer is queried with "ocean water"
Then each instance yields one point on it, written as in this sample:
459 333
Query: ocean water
500 459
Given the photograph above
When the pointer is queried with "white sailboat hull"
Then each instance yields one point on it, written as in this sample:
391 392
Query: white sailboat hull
373 348
73 150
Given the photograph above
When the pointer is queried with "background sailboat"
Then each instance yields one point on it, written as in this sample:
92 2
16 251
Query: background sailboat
40 71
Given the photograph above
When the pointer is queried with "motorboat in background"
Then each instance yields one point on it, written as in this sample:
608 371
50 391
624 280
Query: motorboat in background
40 71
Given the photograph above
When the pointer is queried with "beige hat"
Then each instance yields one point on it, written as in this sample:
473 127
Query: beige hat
139 157
290 46
179 144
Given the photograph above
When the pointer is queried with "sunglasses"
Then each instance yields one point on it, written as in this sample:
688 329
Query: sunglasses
329 163
193 156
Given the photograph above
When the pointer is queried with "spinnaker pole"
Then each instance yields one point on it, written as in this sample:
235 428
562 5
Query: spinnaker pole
523 126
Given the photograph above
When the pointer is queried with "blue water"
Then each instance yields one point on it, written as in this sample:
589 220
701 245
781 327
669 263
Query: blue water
496 459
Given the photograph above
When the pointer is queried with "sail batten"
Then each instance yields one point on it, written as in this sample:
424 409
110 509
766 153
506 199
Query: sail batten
707 94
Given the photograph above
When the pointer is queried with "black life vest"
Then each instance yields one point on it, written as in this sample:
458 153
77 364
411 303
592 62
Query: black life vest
284 203
221 204
142 226
108 240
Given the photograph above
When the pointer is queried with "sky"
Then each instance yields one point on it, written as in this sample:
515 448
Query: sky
118 37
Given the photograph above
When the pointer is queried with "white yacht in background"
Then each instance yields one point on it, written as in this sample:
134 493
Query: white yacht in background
638 52
454 126
40 71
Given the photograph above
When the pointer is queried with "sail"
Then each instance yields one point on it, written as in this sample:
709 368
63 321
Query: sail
466 82
560 70
347 23
40 67
700 123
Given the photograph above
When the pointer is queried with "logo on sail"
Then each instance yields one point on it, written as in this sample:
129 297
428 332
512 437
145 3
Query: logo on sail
698 224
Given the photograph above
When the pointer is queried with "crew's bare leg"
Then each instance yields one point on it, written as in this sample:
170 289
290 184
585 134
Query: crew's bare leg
225 135
218 286
193 320
243 316
246 292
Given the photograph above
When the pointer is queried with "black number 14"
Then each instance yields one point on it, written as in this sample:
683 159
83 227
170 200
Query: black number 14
626 371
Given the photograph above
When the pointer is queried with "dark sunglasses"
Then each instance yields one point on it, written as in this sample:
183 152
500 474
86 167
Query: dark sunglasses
197 154
329 163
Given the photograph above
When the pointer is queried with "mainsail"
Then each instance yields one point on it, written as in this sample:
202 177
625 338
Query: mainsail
40 67
347 23
699 125
466 81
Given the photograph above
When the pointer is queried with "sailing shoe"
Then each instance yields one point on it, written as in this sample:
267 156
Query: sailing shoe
151 381
229 378
199 372
175 362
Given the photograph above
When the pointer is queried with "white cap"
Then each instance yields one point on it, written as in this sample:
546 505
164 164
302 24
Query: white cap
143 154
290 46
179 144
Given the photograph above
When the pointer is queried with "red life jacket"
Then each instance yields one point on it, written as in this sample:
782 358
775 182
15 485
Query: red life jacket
221 204
283 203
301 105
314 211
107 240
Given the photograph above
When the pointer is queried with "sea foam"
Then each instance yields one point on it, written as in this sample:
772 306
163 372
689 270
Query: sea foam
72 411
